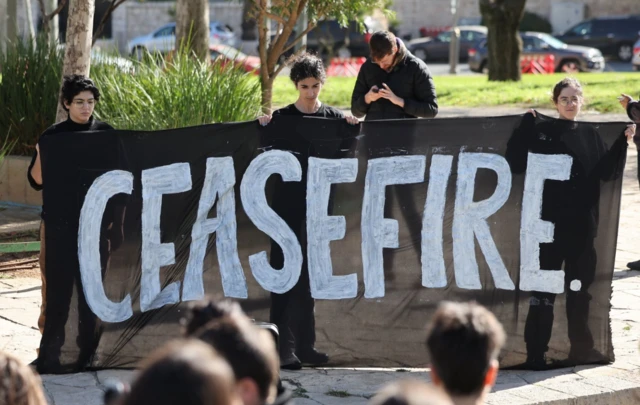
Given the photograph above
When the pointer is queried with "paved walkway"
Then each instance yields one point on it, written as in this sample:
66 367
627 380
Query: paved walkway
618 383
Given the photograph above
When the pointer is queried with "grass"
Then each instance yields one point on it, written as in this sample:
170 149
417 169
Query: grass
601 91
338 393
299 391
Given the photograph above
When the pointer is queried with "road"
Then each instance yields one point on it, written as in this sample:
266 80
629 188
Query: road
441 69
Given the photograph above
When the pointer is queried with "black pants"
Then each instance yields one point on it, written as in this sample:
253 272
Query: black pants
576 251
293 311
60 284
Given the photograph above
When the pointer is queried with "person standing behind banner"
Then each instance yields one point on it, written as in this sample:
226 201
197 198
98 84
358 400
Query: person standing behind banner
393 83
572 206
78 96
293 311
633 110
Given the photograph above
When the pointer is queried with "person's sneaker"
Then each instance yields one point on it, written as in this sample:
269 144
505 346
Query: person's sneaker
634 265
312 357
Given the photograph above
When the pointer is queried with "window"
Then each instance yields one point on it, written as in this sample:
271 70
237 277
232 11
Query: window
470 36
582 29
165 32
444 36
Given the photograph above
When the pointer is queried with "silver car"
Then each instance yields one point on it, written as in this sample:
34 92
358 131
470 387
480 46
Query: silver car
568 58
163 39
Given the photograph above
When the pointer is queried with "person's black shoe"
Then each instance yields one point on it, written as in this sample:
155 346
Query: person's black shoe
634 265
292 363
312 357
536 362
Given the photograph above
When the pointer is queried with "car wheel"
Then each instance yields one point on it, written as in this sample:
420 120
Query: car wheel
625 52
420 53
484 68
570 66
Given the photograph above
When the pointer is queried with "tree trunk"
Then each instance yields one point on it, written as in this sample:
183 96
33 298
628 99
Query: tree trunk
504 45
54 26
29 12
249 32
266 84
192 27
77 52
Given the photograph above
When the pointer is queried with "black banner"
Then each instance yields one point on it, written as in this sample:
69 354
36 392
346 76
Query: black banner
347 237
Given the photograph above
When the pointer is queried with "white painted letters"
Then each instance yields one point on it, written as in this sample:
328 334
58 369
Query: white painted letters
379 232
321 229
470 218
264 218
95 202
533 230
170 179
219 181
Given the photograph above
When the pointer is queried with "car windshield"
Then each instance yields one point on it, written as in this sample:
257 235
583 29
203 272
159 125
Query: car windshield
231 53
553 42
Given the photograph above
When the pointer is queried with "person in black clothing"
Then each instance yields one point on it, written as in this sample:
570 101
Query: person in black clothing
392 83
78 95
573 208
293 311
632 107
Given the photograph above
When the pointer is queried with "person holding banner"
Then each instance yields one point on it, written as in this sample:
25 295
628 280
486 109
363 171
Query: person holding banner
632 107
293 311
572 206
78 96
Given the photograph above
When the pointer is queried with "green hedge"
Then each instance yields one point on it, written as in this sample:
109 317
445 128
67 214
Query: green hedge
154 96
29 87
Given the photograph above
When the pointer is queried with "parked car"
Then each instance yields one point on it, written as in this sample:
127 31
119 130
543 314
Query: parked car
568 58
635 62
227 54
163 39
613 36
100 57
437 47
329 39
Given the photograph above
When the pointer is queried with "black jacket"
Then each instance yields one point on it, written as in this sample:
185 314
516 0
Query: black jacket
410 79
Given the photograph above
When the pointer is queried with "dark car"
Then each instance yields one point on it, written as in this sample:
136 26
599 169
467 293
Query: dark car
568 58
329 39
613 36
437 48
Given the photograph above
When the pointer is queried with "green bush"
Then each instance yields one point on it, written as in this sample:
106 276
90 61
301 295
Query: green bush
29 85
180 93
534 22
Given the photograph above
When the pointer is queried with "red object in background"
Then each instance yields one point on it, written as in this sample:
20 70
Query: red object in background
227 54
472 52
432 31
348 67
636 50
538 64
367 37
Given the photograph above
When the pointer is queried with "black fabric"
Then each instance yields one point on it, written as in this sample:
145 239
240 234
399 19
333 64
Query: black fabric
324 111
60 128
410 80
377 332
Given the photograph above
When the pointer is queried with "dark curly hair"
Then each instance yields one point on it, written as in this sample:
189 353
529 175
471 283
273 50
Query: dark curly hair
75 84
305 66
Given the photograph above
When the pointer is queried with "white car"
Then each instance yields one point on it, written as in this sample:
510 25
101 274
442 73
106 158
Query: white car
635 62
163 39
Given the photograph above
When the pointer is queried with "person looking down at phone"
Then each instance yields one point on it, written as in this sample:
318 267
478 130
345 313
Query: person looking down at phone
392 83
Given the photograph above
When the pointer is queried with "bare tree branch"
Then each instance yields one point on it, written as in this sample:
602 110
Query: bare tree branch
299 37
282 65
114 4
48 17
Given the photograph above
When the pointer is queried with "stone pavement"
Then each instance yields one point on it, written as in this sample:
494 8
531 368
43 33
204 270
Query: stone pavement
617 383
